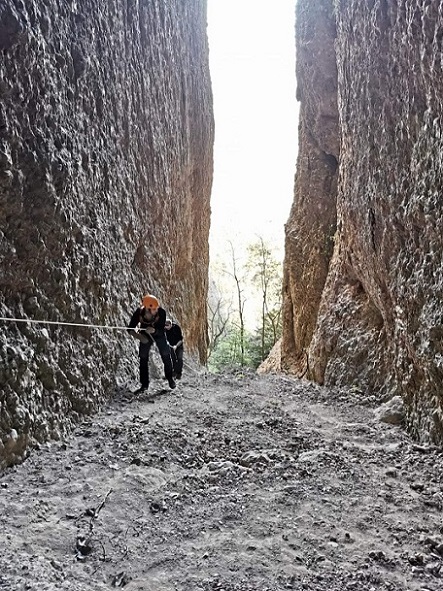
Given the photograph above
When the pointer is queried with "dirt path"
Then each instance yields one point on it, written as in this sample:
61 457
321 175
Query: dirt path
229 483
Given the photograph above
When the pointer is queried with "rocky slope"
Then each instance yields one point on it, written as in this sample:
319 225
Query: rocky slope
373 316
106 135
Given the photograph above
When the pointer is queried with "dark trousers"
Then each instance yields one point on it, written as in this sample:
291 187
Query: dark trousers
143 352
177 360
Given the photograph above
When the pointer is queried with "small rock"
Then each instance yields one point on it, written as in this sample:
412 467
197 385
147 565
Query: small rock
391 412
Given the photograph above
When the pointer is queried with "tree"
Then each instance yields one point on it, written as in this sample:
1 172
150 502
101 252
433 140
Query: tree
267 278
217 323
232 340
230 354
219 310
240 303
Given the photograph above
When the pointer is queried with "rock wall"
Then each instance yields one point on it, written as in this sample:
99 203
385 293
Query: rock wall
312 223
379 322
106 134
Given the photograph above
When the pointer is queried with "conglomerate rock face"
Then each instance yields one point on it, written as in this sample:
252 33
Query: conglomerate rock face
106 134
375 319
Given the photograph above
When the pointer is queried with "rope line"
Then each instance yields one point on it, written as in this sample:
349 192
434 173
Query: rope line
79 324
66 323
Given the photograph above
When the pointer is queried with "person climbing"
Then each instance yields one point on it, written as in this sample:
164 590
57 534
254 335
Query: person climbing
147 324
174 336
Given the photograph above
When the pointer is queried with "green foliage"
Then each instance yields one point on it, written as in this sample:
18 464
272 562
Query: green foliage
228 352
232 344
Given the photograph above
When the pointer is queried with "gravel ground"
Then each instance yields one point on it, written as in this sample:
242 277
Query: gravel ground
234 482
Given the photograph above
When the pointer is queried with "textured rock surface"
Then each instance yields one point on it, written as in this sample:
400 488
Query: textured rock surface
312 223
272 364
379 324
106 135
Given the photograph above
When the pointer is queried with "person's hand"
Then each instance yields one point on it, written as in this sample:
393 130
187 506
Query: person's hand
143 338
150 329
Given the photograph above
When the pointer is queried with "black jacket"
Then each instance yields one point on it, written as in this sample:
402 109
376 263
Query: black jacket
158 322
174 334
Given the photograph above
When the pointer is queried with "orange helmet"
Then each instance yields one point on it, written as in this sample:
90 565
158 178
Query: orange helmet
150 302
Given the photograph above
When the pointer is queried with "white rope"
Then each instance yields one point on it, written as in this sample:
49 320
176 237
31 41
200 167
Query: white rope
79 324
65 323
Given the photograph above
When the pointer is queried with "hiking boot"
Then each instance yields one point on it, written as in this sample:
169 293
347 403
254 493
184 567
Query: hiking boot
141 390
171 383
178 376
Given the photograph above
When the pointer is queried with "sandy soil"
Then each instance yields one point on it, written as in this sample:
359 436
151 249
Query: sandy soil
237 482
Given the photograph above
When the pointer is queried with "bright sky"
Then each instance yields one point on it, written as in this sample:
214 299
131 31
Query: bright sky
252 60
